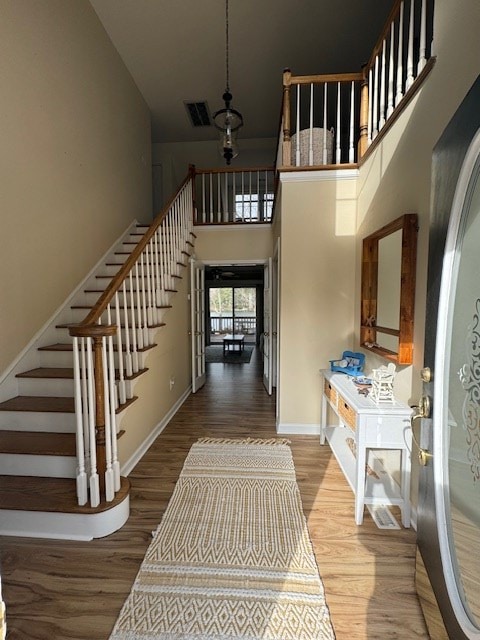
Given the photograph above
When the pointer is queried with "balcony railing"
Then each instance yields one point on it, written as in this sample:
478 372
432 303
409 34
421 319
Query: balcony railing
231 196
331 120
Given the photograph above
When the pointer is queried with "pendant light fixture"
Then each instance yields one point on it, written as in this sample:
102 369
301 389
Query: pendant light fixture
228 121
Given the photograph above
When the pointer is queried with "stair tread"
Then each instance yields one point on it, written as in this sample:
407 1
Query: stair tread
47 404
38 443
69 347
55 495
60 373
47 372
50 404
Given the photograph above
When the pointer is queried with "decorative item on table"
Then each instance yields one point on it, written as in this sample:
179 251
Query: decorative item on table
382 384
363 385
350 363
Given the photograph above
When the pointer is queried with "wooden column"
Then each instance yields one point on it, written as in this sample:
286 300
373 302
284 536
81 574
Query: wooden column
287 144
363 139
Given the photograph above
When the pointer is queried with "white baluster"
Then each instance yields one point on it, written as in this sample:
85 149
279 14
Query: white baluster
234 197
204 206
82 485
351 149
115 464
399 94
391 71
375 102
157 291
108 400
370 107
94 484
133 323
141 302
422 61
324 149
410 78
210 218
297 140
243 197
310 145
219 209
128 350
381 122
338 149
259 207
226 214
250 196
121 375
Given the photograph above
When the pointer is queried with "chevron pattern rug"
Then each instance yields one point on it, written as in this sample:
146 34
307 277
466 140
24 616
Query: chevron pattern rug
231 559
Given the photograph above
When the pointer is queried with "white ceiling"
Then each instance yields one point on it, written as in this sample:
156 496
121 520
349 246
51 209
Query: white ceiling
175 51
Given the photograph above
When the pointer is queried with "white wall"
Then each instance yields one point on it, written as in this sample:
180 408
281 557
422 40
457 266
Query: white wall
75 158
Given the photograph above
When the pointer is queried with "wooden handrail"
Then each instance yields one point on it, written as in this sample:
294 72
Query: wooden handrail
331 77
233 170
384 33
107 295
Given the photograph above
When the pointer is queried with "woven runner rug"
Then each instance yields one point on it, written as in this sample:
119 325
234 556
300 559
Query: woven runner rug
231 558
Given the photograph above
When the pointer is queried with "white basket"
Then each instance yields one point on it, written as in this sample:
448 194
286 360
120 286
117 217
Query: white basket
317 144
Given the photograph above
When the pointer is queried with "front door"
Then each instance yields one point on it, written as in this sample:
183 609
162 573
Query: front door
449 498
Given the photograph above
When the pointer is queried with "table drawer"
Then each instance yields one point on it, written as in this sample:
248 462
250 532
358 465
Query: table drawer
330 392
346 413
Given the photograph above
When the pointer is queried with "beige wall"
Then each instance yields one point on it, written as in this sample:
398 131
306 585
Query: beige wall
396 179
316 291
75 158
232 243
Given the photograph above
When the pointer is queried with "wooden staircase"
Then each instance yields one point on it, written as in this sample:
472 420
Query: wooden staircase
38 434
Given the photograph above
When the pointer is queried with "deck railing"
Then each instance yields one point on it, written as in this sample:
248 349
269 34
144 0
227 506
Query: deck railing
231 196
333 119
231 324
108 343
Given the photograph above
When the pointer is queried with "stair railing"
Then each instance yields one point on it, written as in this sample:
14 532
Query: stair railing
108 343
234 196
400 61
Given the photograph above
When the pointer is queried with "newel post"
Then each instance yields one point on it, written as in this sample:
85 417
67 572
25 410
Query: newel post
364 106
90 378
287 143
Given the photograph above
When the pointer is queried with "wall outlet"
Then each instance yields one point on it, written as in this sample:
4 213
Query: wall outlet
172 382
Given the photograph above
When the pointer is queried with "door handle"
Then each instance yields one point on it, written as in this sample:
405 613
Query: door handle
423 411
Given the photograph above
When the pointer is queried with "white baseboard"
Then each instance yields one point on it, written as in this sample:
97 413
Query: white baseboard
140 452
295 429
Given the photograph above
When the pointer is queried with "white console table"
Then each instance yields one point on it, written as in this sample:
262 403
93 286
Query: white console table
370 426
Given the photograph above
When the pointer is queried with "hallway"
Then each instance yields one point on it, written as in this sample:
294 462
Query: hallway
62 590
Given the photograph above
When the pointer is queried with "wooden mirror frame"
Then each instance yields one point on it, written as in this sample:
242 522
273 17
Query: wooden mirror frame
408 224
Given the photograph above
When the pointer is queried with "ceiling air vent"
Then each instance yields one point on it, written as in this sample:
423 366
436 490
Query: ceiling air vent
198 113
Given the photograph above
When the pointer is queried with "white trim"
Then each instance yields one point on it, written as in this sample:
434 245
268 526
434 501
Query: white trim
413 516
64 526
319 176
146 444
297 429
234 263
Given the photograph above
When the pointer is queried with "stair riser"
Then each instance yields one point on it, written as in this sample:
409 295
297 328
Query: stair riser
57 358
41 466
46 387
37 421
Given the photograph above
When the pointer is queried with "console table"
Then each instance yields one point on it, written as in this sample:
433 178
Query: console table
360 425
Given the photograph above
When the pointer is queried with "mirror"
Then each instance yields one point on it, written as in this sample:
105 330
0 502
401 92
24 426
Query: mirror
388 289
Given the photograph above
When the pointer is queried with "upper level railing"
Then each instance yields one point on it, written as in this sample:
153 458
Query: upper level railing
334 119
226 196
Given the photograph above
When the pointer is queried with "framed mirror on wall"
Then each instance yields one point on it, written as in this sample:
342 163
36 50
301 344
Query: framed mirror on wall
388 289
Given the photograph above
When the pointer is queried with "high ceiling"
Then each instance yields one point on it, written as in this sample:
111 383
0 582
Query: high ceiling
175 51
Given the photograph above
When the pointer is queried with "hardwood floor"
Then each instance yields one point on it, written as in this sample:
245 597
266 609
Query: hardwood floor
61 590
